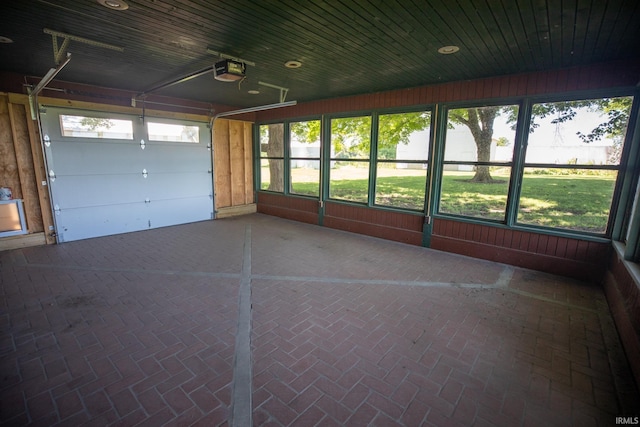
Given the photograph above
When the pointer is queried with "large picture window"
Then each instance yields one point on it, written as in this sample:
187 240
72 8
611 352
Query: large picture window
272 157
572 163
304 158
402 155
349 158
554 165
478 160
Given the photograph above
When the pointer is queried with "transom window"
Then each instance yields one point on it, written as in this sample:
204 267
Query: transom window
95 127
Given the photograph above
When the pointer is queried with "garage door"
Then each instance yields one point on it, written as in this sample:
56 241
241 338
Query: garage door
112 173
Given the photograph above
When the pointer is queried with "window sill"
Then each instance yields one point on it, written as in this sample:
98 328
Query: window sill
632 267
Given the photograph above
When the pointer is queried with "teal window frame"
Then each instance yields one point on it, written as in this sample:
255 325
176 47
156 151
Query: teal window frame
512 193
373 160
286 156
619 168
622 202
522 126
626 226
260 157
377 160
290 158
329 159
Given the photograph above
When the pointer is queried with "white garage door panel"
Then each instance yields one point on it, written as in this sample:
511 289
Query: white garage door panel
76 224
171 212
172 185
76 158
90 190
102 187
176 158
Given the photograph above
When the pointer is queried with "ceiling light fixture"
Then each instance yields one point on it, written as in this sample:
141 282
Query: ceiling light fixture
114 4
253 92
448 50
4 39
293 64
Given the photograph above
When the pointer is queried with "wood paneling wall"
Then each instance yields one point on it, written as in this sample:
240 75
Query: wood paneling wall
232 163
397 226
22 169
554 254
622 287
290 207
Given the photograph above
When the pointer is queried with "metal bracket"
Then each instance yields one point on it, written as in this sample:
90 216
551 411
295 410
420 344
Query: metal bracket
59 51
283 90
33 93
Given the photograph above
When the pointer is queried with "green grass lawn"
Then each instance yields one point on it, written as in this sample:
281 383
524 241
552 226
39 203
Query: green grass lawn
571 201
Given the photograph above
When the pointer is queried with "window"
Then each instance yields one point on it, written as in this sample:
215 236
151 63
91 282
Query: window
349 158
172 132
402 154
478 154
95 127
12 219
272 157
572 163
304 158
559 168
632 229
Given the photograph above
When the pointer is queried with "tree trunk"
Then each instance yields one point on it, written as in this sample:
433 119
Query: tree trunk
275 148
483 148
480 122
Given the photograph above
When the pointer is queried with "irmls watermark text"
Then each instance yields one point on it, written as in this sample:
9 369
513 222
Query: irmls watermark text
630 421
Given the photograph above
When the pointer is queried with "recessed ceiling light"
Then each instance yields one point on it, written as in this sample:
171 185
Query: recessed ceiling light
448 50
293 64
114 4
253 92
4 39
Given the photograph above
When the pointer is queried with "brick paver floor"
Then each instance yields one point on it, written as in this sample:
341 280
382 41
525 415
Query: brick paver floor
153 328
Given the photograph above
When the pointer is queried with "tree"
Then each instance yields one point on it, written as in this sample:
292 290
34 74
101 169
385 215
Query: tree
351 137
274 147
480 122
96 124
617 111
503 141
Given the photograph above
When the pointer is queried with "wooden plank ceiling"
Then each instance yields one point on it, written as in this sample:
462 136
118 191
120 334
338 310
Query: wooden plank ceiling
345 47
